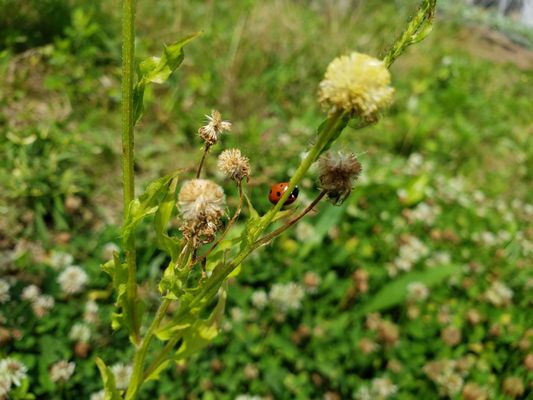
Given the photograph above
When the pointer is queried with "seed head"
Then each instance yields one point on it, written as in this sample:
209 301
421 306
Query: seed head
201 203
234 165
358 84
337 174
215 126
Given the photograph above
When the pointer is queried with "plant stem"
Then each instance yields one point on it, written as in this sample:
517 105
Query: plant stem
267 238
128 51
202 161
140 354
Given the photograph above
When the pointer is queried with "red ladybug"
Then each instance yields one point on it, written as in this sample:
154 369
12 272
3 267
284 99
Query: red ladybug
277 190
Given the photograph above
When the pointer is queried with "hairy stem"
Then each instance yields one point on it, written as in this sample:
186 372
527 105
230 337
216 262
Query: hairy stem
128 51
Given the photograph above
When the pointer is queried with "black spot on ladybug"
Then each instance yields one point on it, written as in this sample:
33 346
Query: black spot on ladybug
278 193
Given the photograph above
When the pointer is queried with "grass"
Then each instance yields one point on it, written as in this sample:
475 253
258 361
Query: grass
458 140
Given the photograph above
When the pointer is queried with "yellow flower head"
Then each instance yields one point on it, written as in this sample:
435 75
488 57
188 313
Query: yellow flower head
358 84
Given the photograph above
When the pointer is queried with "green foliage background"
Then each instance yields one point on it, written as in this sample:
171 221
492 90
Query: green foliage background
457 139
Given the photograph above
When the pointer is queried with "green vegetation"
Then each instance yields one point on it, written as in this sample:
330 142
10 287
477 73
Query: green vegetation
436 237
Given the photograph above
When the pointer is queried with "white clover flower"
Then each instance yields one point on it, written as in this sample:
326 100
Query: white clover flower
236 314
499 294
425 213
248 397
438 259
30 293
287 296
363 393
122 375
90 313
100 395
109 249
73 279
259 299
42 305
383 388
304 231
62 371
410 253
13 370
5 385
451 384
358 84
59 260
80 332
4 291
417 291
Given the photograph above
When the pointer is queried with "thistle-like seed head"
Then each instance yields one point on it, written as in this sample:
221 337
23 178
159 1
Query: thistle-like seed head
358 84
234 165
337 174
201 203
215 126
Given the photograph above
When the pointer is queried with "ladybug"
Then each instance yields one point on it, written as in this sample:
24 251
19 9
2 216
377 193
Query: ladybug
277 190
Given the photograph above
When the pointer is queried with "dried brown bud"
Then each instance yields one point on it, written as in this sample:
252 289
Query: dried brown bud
234 165
337 174
471 391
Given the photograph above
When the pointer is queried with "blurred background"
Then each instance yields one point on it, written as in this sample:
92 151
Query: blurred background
418 285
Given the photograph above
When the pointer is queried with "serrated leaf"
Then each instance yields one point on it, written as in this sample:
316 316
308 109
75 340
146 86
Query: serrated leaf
395 292
202 332
111 392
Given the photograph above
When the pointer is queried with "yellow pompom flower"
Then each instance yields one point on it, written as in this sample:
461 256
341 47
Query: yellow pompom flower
358 84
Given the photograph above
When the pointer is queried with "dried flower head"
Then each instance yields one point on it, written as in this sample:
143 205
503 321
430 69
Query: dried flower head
337 174
234 165
215 126
62 370
201 203
73 279
358 84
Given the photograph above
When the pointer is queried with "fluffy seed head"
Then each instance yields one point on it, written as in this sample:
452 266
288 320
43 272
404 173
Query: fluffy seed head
358 84
201 203
234 165
337 174
214 127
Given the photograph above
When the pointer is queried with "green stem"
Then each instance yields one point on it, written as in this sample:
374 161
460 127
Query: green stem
128 176
142 351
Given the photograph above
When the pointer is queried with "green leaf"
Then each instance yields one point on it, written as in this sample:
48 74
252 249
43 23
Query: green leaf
417 29
111 392
161 220
202 332
147 204
416 190
395 292
158 70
